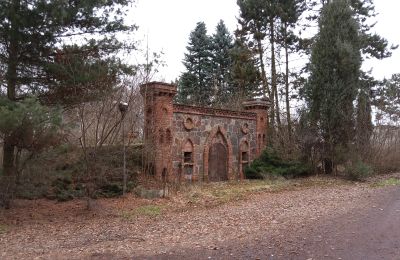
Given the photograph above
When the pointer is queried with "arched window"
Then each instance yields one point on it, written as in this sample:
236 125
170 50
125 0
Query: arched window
169 136
161 136
244 157
188 152
188 159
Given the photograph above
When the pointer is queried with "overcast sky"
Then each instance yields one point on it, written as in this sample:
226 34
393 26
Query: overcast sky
167 24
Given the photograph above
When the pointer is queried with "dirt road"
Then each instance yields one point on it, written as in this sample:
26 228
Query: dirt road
372 232
344 221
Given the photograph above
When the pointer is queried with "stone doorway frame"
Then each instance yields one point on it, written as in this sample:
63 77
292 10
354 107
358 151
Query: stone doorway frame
214 132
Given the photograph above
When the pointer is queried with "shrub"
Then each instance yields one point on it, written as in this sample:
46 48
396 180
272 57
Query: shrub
63 190
252 173
270 165
110 190
359 171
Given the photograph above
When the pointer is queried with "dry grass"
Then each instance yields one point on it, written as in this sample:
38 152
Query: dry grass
147 210
387 182
208 195
3 229
219 193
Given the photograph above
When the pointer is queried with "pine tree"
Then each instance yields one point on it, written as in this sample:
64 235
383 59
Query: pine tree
222 43
259 19
388 99
35 55
289 14
364 126
195 84
372 46
334 80
245 76
254 28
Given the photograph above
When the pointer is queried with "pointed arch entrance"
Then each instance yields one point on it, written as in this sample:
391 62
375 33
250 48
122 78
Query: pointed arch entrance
217 156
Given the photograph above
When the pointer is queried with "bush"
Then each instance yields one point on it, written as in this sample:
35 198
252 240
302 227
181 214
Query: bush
359 171
270 165
63 190
110 190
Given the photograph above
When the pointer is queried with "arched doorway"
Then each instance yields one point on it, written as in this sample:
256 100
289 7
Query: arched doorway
217 159
218 162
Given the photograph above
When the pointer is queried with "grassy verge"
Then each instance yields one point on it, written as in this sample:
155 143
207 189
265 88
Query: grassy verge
147 210
213 194
3 229
387 182
218 193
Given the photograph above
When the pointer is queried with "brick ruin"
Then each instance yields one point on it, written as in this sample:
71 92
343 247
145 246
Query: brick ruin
189 143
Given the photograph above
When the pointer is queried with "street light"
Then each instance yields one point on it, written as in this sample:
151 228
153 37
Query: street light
123 108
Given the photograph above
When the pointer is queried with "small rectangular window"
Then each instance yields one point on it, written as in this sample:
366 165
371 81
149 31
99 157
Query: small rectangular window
188 157
245 157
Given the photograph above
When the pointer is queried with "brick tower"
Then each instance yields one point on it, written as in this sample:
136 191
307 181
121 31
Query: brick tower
260 107
158 129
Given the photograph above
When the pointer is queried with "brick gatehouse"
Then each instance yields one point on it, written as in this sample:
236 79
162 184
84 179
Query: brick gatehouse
189 143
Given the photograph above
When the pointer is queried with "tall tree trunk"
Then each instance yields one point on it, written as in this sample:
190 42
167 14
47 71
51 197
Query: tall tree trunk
266 90
273 75
289 123
11 76
7 184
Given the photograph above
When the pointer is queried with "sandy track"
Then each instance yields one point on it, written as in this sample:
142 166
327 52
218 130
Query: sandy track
299 224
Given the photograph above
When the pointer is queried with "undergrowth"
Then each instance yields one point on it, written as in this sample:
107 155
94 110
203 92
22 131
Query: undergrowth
59 173
359 171
270 166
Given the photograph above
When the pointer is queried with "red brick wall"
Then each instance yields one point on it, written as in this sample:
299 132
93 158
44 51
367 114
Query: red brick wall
173 131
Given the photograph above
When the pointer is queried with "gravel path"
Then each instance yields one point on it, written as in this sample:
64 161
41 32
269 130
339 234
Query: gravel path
371 231
345 221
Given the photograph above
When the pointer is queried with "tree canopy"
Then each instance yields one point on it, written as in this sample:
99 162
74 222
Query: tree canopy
61 51
334 80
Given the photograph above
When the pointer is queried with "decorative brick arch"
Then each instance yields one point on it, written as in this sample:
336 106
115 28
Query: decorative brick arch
213 134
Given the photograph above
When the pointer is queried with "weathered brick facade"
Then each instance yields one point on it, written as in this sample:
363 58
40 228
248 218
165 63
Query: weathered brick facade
187 143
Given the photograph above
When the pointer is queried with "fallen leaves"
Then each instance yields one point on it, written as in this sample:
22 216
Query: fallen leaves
202 217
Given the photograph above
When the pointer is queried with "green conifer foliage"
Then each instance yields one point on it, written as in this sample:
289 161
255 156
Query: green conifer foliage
334 80
222 43
195 84
58 48
245 77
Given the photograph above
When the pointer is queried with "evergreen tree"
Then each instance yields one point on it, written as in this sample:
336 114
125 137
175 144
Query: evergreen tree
222 43
195 84
372 46
259 19
388 99
334 80
35 56
364 126
254 28
289 14
245 76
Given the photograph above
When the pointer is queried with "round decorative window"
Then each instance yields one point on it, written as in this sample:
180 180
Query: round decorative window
245 128
188 123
